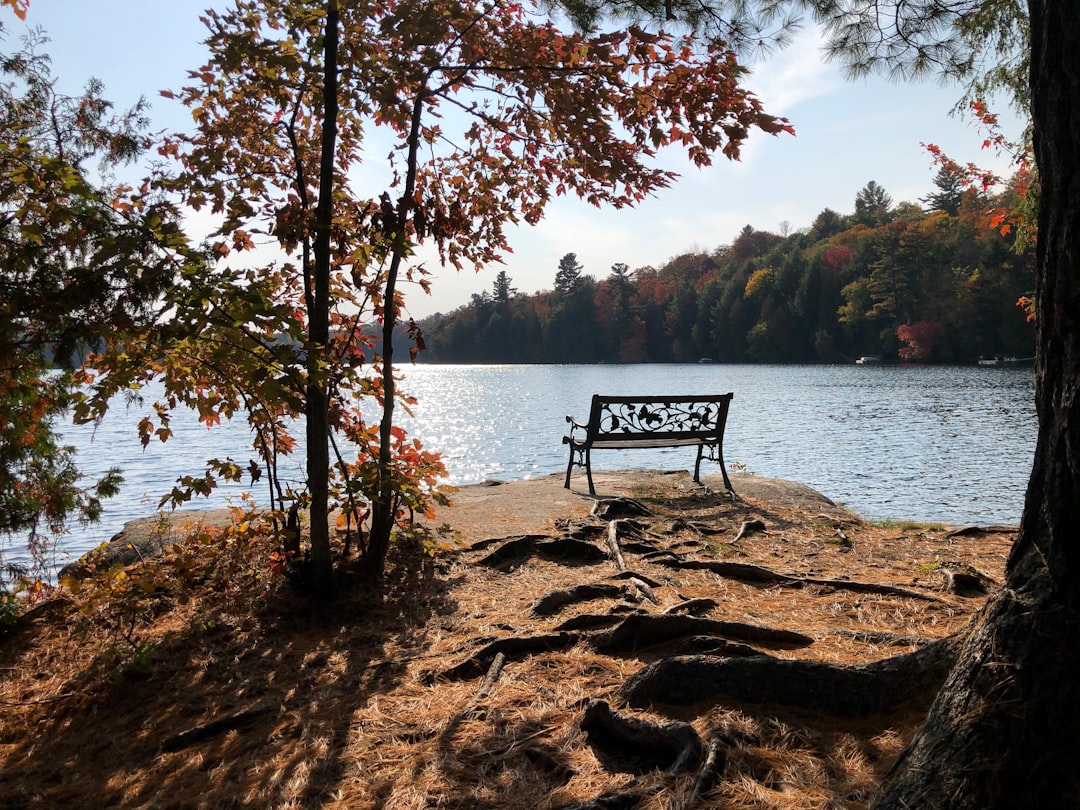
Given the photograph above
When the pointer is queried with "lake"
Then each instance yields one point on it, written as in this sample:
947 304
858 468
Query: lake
933 444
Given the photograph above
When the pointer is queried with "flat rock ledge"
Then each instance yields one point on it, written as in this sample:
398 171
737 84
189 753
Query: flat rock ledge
489 509
145 537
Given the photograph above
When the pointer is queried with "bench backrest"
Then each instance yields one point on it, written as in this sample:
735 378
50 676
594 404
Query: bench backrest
669 417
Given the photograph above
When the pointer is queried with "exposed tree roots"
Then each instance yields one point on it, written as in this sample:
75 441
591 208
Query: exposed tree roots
232 722
755 574
873 688
705 661
1002 731
632 745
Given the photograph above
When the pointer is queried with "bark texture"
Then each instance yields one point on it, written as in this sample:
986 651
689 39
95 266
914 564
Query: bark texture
1002 732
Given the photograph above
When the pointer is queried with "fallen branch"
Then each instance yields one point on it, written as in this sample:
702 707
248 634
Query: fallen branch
613 545
202 732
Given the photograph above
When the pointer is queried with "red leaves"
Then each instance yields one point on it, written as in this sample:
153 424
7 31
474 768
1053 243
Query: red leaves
921 339
1018 218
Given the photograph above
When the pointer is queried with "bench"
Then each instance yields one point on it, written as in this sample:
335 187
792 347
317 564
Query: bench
624 423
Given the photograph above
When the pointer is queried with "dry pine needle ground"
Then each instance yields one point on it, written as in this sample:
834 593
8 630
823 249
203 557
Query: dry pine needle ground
347 706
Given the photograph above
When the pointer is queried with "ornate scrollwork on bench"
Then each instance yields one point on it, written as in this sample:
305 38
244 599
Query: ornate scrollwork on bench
668 416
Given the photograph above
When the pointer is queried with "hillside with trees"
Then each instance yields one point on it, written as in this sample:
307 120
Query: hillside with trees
936 282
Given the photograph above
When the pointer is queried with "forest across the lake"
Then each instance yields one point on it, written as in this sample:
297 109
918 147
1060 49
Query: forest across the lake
939 282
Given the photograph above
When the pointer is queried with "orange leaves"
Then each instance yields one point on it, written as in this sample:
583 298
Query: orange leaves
18 6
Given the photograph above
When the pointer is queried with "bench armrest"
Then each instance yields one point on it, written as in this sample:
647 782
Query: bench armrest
575 425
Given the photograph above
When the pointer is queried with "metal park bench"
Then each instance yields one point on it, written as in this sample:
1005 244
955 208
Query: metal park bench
624 423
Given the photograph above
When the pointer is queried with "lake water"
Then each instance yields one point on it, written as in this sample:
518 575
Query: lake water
934 444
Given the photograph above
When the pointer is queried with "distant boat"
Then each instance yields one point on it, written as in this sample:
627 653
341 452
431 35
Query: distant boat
869 360
992 362
705 360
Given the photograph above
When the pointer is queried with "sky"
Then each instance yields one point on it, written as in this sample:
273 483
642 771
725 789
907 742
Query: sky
847 134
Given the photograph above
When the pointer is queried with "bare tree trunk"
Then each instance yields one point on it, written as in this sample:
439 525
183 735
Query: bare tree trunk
382 509
1004 729
318 426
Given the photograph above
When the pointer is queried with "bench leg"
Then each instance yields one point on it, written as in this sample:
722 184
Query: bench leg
588 470
723 468
569 467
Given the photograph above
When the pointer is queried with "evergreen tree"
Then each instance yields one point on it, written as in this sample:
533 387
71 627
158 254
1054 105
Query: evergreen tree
503 291
872 205
569 274
950 192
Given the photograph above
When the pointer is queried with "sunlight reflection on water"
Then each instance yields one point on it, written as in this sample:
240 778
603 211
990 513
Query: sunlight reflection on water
946 444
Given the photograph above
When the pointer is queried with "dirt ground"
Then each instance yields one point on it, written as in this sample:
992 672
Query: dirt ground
473 679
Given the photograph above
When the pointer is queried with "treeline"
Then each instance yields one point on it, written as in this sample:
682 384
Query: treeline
932 283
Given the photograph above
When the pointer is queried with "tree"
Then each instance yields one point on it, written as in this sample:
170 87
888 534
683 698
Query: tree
872 205
950 185
1001 731
826 224
81 256
1003 728
281 108
620 274
569 273
503 291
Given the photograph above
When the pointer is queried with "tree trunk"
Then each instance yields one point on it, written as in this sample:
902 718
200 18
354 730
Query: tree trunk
318 425
383 506
1004 728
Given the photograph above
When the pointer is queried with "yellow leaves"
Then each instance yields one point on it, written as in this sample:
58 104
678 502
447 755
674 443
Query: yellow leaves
760 280
31 231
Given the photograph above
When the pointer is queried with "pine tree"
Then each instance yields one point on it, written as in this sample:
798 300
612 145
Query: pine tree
569 273
503 291
872 205
950 193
